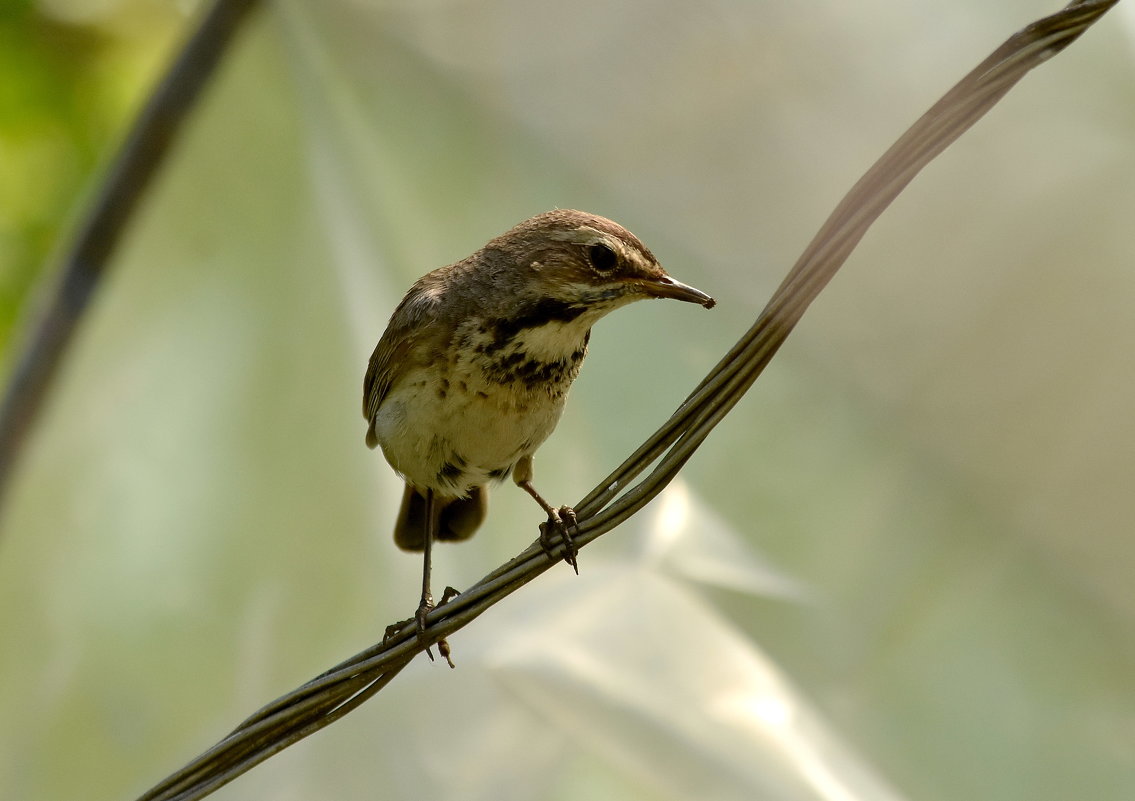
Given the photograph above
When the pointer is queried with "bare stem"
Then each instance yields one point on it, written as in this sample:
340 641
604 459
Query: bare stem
86 263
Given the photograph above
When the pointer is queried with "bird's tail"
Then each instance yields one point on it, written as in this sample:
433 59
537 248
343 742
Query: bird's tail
458 518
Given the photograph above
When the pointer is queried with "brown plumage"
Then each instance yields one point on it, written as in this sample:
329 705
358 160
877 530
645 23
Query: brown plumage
472 372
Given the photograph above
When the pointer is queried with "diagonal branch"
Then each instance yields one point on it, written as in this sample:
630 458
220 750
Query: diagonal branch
87 262
336 692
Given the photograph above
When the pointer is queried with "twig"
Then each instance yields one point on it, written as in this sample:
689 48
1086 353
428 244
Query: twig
84 266
331 695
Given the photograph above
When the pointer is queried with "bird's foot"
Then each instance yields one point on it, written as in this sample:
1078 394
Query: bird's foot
442 645
418 621
557 530
424 608
394 629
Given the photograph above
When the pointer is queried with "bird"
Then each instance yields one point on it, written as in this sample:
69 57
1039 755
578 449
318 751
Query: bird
471 374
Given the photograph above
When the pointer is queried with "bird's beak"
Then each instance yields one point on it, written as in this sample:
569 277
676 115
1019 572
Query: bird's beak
666 287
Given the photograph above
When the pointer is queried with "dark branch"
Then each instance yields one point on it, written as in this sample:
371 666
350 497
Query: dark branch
84 266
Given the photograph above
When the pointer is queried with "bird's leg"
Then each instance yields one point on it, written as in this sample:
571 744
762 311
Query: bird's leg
432 518
559 520
427 602
433 515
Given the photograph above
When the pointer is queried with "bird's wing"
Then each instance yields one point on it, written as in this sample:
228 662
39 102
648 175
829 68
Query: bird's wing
391 354
379 377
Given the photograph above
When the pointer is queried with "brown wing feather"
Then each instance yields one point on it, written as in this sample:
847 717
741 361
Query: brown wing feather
379 378
407 326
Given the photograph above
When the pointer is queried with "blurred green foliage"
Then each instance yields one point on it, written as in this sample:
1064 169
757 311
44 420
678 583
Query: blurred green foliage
73 74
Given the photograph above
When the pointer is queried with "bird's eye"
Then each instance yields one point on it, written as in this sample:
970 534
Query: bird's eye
602 258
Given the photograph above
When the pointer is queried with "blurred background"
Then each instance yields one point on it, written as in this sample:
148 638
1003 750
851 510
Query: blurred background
901 568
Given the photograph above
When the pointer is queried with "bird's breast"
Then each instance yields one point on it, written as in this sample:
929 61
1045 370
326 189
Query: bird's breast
466 418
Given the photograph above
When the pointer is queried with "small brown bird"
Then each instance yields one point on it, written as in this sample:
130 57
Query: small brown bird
472 372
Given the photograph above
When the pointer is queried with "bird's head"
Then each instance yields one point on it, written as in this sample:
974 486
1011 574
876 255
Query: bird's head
585 260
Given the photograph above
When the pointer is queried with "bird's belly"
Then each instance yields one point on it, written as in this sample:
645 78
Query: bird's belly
451 434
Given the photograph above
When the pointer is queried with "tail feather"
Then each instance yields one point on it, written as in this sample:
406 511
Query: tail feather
458 519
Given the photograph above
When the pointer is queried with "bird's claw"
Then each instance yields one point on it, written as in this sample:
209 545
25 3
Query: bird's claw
419 623
442 645
424 608
419 620
394 628
560 521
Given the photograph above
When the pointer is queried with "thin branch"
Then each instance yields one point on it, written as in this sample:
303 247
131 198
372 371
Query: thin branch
138 161
331 695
